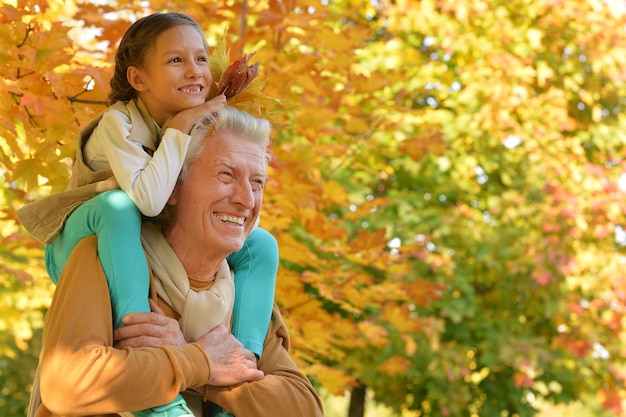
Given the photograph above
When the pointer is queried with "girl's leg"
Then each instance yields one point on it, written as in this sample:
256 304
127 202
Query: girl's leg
115 219
255 268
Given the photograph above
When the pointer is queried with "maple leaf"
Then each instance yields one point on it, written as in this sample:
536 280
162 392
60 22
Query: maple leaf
238 76
239 83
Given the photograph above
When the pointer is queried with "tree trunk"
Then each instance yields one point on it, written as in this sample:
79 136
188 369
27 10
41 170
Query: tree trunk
357 401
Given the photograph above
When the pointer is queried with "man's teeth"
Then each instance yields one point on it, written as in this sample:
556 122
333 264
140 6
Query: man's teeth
231 219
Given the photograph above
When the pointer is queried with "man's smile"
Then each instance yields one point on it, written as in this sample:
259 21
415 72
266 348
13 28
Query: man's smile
231 219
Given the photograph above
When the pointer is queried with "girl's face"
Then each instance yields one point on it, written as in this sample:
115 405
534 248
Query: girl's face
176 75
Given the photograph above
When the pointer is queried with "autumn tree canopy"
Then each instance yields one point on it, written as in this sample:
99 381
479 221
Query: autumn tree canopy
447 187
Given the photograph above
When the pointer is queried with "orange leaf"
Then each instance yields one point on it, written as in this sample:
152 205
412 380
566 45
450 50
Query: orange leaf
369 240
395 366
238 76
429 141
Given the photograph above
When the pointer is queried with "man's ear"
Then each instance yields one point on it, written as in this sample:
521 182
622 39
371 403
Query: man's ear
136 78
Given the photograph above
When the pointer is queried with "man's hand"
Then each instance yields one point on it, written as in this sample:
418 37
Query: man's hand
231 363
148 330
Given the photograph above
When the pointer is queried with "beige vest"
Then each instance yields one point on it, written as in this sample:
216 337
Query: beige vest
45 218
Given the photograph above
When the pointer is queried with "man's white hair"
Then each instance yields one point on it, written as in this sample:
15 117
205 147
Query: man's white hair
228 120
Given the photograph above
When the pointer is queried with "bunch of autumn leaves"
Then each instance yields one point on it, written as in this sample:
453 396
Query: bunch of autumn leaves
237 81
238 77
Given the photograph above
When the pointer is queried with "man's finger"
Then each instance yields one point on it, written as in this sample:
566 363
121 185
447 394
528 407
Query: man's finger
134 318
130 331
248 354
138 318
254 375
140 341
219 329
155 307
250 364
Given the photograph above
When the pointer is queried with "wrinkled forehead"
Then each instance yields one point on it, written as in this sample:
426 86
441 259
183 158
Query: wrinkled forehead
235 152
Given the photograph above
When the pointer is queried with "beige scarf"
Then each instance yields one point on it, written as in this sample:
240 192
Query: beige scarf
199 311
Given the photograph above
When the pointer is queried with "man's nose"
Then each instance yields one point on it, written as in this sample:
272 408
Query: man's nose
243 194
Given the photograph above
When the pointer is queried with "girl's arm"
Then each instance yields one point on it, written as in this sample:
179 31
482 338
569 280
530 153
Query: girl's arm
148 180
77 345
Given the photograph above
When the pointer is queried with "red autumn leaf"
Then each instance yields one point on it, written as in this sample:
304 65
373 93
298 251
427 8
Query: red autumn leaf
238 76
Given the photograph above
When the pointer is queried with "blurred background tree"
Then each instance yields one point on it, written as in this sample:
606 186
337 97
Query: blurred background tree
447 190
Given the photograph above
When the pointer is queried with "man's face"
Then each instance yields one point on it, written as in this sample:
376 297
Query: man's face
216 207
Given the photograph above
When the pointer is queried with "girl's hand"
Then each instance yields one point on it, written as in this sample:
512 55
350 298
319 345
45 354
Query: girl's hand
187 119
215 103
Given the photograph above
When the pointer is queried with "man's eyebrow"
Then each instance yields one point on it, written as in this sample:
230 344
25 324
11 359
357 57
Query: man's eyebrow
229 164
224 162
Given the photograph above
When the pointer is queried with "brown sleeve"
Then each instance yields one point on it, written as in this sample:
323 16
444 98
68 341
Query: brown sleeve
284 392
81 373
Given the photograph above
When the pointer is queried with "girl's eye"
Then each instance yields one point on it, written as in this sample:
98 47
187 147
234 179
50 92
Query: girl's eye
175 60
203 59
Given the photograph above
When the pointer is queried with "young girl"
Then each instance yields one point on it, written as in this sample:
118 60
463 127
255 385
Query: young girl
159 91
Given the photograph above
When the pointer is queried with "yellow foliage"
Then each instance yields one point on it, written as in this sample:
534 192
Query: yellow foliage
364 97
294 251
430 141
401 318
313 333
373 333
333 380
368 240
335 192
395 366
356 125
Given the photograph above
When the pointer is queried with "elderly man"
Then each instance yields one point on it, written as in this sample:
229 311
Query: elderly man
211 212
